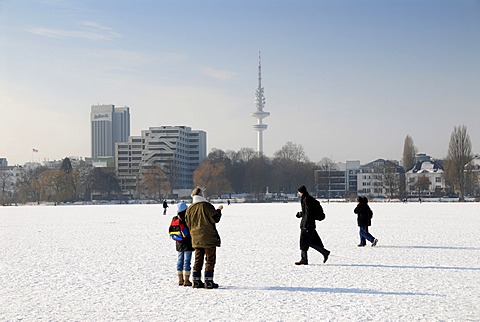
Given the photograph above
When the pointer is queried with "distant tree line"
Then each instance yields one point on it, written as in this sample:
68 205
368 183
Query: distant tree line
246 171
224 172
65 184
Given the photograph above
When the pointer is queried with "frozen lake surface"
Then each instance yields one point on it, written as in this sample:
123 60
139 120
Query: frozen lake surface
117 262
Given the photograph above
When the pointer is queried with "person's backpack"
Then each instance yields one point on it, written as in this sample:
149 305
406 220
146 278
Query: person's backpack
177 230
318 213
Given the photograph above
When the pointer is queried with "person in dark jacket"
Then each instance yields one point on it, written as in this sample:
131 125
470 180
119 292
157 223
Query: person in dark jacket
364 220
308 234
201 218
184 250
165 206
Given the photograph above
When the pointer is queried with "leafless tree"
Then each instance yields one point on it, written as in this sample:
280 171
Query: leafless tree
293 152
391 179
422 184
243 155
323 176
409 153
5 178
154 183
472 179
102 182
55 185
459 155
213 177
292 168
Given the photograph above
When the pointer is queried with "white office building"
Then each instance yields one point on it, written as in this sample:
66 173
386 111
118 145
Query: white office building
109 125
177 150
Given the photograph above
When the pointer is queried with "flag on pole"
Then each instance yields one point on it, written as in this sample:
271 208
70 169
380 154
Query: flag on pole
34 150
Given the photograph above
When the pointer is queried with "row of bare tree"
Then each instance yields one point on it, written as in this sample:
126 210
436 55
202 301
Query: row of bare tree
222 172
66 184
246 171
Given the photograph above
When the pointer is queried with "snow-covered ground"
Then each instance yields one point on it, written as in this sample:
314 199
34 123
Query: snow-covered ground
101 263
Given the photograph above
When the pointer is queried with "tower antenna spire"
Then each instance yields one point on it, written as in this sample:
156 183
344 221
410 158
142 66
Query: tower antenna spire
260 114
259 70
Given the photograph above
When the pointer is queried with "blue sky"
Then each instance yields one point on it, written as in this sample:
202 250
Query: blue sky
348 80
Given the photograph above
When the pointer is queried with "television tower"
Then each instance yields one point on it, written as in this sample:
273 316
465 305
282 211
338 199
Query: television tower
260 114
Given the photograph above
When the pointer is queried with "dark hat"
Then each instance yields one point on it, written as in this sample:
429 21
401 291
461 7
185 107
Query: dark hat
362 199
302 189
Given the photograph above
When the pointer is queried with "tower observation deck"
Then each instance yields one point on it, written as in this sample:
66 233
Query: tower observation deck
260 114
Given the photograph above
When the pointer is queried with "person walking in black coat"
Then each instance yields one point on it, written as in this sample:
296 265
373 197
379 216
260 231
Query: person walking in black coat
364 220
308 234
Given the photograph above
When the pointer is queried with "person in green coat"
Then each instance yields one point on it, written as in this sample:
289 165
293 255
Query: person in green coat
201 218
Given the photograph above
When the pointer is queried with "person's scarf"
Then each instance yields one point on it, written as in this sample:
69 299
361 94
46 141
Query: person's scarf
198 198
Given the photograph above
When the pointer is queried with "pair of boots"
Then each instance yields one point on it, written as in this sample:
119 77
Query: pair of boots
184 278
197 280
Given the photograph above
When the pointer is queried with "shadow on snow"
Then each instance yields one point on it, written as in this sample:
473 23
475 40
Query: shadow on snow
328 290
409 266
432 247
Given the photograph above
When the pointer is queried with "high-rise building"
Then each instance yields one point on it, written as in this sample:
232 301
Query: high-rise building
109 125
260 114
176 150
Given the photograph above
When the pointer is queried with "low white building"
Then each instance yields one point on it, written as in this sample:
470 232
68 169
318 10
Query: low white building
426 178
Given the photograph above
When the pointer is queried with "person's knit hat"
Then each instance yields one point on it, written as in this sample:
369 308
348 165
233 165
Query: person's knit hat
181 206
362 199
302 189
197 191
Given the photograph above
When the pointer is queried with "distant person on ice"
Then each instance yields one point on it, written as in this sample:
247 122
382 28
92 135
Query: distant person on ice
165 206
184 251
364 220
308 234
201 218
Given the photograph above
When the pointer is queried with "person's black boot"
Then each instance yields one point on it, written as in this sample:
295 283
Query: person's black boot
197 280
209 281
325 256
302 262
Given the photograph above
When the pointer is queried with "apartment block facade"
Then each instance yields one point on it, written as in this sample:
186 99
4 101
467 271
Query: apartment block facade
338 182
177 150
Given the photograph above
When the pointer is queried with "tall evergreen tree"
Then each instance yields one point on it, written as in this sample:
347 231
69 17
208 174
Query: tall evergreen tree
66 165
